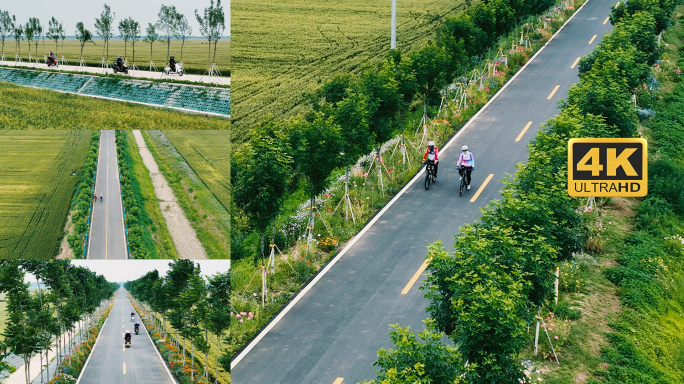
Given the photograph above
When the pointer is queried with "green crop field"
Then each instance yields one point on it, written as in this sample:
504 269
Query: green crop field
196 168
30 108
208 154
285 48
38 173
195 53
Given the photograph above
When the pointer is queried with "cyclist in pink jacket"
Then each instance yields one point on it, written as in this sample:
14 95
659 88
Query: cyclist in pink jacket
466 162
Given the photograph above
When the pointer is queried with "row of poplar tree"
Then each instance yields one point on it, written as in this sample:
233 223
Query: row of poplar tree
67 297
170 22
197 309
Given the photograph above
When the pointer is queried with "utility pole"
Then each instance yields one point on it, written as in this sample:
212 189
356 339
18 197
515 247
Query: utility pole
393 44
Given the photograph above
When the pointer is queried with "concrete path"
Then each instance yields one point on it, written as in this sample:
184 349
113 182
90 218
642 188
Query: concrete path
137 73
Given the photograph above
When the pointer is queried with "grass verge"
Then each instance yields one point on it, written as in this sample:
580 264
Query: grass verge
158 229
30 108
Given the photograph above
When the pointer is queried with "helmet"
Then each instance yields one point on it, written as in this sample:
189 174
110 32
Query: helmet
127 331
171 57
464 148
51 53
431 143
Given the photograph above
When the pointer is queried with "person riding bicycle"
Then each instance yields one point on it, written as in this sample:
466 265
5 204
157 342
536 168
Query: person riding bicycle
466 162
172 63
101 196
119 62
432 154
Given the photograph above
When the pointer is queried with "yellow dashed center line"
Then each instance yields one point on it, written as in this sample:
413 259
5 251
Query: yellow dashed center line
575 63
415 278
617 5
482 187
592 39
124 368
553 92
606 20
523 131
339 380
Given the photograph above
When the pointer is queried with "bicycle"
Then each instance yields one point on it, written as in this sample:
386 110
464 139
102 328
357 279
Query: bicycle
430 175
464 177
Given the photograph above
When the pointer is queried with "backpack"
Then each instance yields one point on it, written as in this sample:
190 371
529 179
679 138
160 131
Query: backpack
470 157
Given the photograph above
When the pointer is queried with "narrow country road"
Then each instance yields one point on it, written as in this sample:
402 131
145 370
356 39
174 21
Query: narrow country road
110 362
107 239
334 330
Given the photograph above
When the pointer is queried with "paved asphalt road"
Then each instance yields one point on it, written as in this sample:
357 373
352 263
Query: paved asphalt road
110 362
337 327
140 74
107 239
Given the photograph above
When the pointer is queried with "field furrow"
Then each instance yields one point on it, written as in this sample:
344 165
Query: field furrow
38 173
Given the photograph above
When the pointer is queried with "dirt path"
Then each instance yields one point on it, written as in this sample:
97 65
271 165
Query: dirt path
182 233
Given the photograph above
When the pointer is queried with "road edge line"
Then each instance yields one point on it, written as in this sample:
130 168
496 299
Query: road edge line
93 349
351 243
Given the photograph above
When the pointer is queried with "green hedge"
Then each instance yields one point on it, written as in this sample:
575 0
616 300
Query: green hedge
83 197
138 221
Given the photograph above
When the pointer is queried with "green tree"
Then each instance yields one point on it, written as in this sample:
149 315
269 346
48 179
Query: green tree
602 91
259 173
83 36
18 33
6 28
133 34
411 361
383 102
478 301
167 22
104 27
32 31
182 31
212 23
316 152
125 33
218 316
430 65
55 31
151 37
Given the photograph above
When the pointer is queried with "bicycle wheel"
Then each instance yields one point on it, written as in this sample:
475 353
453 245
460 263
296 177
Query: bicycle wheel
427 180
462 185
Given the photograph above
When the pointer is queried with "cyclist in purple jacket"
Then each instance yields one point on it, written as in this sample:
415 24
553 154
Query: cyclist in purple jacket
466 163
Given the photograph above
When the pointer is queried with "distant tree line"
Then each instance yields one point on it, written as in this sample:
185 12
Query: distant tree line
66 296
172 24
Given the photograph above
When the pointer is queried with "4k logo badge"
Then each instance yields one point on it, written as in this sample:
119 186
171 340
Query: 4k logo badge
607 167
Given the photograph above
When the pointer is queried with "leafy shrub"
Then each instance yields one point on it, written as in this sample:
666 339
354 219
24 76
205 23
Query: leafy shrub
665 180
563 311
